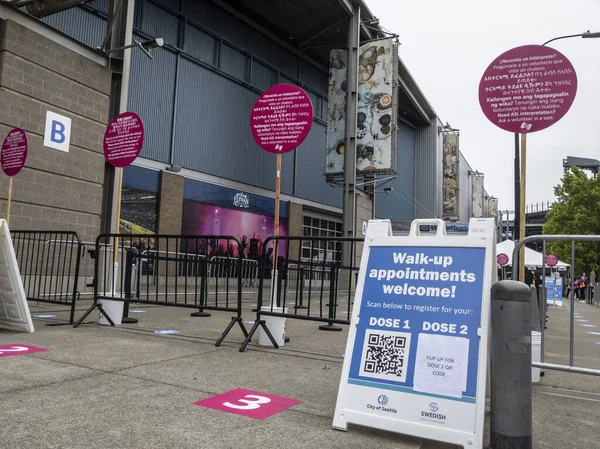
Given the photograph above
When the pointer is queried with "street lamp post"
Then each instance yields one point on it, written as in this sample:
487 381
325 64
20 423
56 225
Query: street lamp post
520 174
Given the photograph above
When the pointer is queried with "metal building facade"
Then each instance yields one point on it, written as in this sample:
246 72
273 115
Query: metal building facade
196 93
428 172
399 204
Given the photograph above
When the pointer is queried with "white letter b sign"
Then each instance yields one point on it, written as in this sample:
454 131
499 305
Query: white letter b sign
57 133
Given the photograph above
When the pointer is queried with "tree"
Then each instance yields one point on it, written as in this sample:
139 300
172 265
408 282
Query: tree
576 211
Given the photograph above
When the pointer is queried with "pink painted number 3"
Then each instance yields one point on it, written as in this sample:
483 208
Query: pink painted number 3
250 405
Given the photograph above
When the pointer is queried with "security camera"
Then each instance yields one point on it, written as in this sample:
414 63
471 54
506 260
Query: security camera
387 190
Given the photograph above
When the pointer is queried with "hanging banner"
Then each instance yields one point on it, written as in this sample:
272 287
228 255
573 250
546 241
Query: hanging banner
416 356
376 111
451 158
493 208
477 196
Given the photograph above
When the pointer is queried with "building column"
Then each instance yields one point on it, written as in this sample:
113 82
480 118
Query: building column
170 208
350 148
295 219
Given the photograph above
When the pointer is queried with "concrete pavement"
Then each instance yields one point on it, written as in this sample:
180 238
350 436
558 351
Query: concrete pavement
127 387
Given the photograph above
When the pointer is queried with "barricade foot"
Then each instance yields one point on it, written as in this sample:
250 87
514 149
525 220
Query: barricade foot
250 335
128 320
229 327
98 306
300 307
200 313
330 327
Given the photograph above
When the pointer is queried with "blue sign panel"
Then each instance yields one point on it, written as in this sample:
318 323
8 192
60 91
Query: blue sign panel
419 320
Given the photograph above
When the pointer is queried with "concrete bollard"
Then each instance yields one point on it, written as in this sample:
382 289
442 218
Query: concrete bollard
511 421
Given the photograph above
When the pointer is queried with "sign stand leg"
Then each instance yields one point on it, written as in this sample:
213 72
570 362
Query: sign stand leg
9 200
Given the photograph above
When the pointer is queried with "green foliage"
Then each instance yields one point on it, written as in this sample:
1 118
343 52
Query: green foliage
576 211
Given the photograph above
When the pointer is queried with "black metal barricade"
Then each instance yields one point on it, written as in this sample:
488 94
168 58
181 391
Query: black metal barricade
311 282
199 272
49 263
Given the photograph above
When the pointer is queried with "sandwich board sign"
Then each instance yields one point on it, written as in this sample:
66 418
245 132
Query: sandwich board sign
417 349
14 310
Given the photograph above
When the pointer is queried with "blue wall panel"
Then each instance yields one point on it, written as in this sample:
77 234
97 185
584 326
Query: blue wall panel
398 206
223 24
85 26
212 133
200 45
158 22
151 95
310 169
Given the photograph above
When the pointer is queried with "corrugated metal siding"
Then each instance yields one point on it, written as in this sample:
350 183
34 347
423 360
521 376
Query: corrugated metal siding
235 63
200 45
151 94
220 22
464 189
398 206
262 76
310 161
314 77
212 136
80 24
428 186
158 22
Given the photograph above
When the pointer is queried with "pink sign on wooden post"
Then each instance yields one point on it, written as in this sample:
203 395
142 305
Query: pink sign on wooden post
281 118
527 89
9 350
502 259
551 260
248 403
14 152
123 139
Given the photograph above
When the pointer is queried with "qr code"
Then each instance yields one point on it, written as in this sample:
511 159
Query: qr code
385 355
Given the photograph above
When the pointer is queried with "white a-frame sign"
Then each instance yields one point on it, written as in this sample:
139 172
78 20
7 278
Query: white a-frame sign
416 357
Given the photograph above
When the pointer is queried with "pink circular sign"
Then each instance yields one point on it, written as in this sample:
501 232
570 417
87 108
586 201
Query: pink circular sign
123 139
551 260
527 89
502 259
281 118
14 152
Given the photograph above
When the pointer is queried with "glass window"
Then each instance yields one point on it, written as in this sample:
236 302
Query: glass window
322 250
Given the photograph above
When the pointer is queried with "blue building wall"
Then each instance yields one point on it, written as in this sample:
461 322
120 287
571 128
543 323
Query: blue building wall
195 95
399 204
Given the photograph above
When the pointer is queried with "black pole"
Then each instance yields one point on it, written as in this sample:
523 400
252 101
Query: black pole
517 219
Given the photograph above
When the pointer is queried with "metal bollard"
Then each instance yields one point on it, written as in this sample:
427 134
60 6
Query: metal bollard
511 409
536 322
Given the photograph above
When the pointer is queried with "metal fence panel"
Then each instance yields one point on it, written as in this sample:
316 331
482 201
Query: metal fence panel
49 263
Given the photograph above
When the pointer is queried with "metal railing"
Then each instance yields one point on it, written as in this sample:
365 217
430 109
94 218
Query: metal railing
49 263
173 270
542 305
319 288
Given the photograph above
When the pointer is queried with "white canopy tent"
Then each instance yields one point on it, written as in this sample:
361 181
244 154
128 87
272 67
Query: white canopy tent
532 258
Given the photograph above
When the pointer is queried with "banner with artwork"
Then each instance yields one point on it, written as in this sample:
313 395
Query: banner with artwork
451 158
477 196
376 111
493 208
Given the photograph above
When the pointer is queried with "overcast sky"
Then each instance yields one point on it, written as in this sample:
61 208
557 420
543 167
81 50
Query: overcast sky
447 45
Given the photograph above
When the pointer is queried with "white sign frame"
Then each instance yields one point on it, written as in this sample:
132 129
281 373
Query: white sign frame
14 309
379 234
66 121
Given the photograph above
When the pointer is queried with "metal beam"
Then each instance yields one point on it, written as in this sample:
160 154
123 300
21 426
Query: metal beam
349 212
346 6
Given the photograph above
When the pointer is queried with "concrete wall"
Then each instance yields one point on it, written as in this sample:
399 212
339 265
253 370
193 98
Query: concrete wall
55 190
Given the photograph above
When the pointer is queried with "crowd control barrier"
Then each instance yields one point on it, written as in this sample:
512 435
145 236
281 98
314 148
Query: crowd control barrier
542 304
311 283
49 263
205 273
